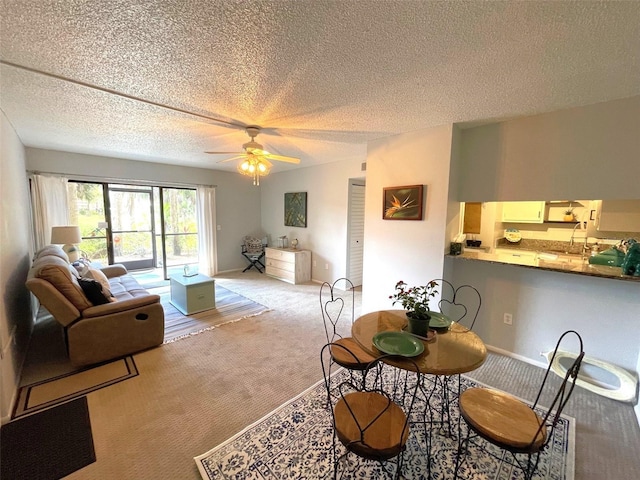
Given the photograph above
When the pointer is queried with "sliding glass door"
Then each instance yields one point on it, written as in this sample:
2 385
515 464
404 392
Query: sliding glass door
142 227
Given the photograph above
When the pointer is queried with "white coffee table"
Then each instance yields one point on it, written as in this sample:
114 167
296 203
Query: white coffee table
193 294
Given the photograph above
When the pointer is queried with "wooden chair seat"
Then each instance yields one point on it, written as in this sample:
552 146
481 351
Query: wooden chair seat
381 433
502 419
345 358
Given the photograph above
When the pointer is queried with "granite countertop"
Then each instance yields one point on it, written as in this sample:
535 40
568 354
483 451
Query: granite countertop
573 264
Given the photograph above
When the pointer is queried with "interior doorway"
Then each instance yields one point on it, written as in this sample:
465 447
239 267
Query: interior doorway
355 231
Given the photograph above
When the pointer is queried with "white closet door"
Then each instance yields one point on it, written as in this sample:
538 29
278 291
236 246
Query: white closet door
356 233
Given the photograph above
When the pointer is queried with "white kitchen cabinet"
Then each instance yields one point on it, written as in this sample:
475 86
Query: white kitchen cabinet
288 264
523 212
618 216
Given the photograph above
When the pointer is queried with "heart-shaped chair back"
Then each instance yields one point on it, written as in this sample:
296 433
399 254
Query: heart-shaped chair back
335 304
461 304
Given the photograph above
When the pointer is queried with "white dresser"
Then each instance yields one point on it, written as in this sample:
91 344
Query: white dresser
288 264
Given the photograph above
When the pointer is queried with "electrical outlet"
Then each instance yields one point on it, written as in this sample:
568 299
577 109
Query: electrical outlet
508 319
326 266
315 263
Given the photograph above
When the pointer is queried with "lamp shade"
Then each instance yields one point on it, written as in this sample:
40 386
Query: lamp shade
68 236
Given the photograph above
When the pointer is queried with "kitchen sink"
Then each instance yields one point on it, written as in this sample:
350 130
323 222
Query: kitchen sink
554 257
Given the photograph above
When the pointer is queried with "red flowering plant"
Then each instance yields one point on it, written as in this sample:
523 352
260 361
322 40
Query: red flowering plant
415 299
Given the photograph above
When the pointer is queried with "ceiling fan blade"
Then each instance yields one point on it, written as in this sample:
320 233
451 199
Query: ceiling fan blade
282 158
239 157
224 153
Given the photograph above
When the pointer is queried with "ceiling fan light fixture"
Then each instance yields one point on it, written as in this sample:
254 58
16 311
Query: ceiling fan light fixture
254 167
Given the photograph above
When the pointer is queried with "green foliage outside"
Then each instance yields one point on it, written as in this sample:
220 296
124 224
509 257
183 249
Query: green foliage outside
86 202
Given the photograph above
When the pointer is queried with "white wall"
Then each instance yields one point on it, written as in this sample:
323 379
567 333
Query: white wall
405 250
237 200
16 319
327 188
585 152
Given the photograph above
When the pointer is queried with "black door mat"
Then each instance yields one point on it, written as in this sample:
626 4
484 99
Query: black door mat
48 445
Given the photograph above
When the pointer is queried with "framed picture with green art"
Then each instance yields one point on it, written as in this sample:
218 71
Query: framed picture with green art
402 203
295 209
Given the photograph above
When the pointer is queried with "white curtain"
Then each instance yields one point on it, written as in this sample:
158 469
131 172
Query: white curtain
207 251
50 206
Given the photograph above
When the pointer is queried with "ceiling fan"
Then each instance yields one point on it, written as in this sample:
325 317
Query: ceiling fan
255 161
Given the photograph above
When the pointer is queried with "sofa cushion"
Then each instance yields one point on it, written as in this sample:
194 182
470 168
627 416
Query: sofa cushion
125 287
62 276
98 276
93 291
55 250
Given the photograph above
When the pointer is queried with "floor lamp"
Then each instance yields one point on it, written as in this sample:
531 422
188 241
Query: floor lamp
67 236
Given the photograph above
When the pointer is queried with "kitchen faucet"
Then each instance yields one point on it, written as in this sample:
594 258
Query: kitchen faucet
572 240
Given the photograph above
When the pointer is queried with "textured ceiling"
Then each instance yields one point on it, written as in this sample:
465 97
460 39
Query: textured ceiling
322 77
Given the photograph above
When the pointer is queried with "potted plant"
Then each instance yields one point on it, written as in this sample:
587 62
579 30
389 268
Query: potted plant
415 300
568 215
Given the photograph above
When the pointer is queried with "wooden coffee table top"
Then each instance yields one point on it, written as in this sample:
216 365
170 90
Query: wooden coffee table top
455 351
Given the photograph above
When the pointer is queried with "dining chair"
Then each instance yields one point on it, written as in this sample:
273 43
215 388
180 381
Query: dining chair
460 305
338 312
370 419
512 425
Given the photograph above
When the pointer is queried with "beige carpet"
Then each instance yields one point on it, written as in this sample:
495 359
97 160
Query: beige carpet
191 395
230 307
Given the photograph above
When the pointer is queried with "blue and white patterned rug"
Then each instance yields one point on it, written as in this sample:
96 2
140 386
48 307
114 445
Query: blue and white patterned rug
294 442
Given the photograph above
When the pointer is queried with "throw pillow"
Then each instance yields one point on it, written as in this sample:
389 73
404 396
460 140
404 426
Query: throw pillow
93 291
100 277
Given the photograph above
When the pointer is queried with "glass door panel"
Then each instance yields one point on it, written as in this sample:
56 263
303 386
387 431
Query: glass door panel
180 232
132 226
87 210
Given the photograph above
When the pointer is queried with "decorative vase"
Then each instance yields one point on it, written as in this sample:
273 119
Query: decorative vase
418 324
569 218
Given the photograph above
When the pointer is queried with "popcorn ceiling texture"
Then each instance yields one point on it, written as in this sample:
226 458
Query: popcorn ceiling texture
322 77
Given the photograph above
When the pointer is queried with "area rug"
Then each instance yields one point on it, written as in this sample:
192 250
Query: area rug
230 307
294 441
48 445
44 394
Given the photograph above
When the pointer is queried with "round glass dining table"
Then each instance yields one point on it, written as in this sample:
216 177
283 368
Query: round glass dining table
453 351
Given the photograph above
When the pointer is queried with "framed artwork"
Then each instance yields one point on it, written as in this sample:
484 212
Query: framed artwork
295 209
402 203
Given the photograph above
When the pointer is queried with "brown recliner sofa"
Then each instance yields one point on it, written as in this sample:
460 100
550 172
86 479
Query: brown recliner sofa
131 321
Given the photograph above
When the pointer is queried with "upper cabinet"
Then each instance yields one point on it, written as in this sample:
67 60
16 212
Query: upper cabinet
617 215
523 212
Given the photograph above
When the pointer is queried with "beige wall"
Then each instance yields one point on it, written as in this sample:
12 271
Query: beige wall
405 250
585 152
16 319
327 188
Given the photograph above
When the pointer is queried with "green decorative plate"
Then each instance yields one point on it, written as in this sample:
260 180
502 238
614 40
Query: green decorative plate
438 320
398 343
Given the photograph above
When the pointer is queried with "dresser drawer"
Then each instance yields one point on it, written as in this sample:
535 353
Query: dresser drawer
282 265
288 276
281 255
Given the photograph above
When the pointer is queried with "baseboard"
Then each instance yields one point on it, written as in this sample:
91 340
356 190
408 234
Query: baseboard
507 353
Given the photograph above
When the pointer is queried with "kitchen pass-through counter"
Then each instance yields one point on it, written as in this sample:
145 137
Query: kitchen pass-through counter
573 264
